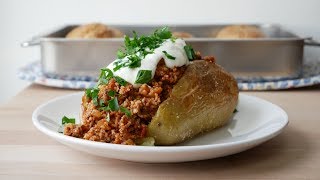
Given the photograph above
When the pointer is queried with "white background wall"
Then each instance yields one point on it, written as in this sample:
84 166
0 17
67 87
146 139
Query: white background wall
19 20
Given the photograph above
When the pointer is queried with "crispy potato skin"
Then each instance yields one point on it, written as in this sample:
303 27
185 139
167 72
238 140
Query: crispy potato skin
202 100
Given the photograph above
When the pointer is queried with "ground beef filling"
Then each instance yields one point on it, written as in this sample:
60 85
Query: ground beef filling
116 127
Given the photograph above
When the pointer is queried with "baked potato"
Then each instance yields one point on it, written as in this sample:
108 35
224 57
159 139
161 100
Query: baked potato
202 100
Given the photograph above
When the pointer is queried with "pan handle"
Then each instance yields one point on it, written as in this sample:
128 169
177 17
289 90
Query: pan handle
35 41
310 42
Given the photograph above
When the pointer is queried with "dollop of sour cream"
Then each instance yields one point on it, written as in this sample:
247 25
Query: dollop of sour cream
174 48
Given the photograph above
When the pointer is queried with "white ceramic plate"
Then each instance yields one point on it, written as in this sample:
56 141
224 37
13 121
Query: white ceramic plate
255 122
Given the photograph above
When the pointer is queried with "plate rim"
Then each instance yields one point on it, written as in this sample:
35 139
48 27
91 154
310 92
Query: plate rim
175 148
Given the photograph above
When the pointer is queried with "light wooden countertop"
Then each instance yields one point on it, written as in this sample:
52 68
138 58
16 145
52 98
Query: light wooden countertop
25 153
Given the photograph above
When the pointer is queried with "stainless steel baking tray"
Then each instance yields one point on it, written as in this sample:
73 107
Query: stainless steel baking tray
279 55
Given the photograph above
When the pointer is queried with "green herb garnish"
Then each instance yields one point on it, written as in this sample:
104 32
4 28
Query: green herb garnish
235 110
125 111
120 54
135 61
66 120
143 76
113 104
118 64
190 52
136 48
105 75
173 39
168 55
101 103
111 93
163 33
121 81
105 108
93 94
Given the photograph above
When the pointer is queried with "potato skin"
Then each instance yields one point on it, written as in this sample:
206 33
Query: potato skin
202 100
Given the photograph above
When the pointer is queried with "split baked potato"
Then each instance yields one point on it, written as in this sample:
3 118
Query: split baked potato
202 100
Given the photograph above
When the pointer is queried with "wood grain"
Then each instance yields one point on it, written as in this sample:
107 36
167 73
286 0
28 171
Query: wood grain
26 153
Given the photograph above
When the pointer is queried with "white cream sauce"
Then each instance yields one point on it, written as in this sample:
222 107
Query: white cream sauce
150 62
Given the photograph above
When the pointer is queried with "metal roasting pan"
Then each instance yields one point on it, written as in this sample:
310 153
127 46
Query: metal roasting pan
279 55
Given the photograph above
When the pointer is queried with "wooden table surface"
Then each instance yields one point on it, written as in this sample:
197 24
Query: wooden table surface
26 153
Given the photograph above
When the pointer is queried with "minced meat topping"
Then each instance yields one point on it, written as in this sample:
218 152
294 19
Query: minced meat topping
117 126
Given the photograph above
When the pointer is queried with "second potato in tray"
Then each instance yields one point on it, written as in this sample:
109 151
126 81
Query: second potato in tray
239 32
94 30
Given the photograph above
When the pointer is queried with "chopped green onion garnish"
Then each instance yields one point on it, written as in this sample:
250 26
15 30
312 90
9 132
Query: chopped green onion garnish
143 76
168 55
66 120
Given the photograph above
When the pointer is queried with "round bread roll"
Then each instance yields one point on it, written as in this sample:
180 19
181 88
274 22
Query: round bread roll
239 32
94 30
181 34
